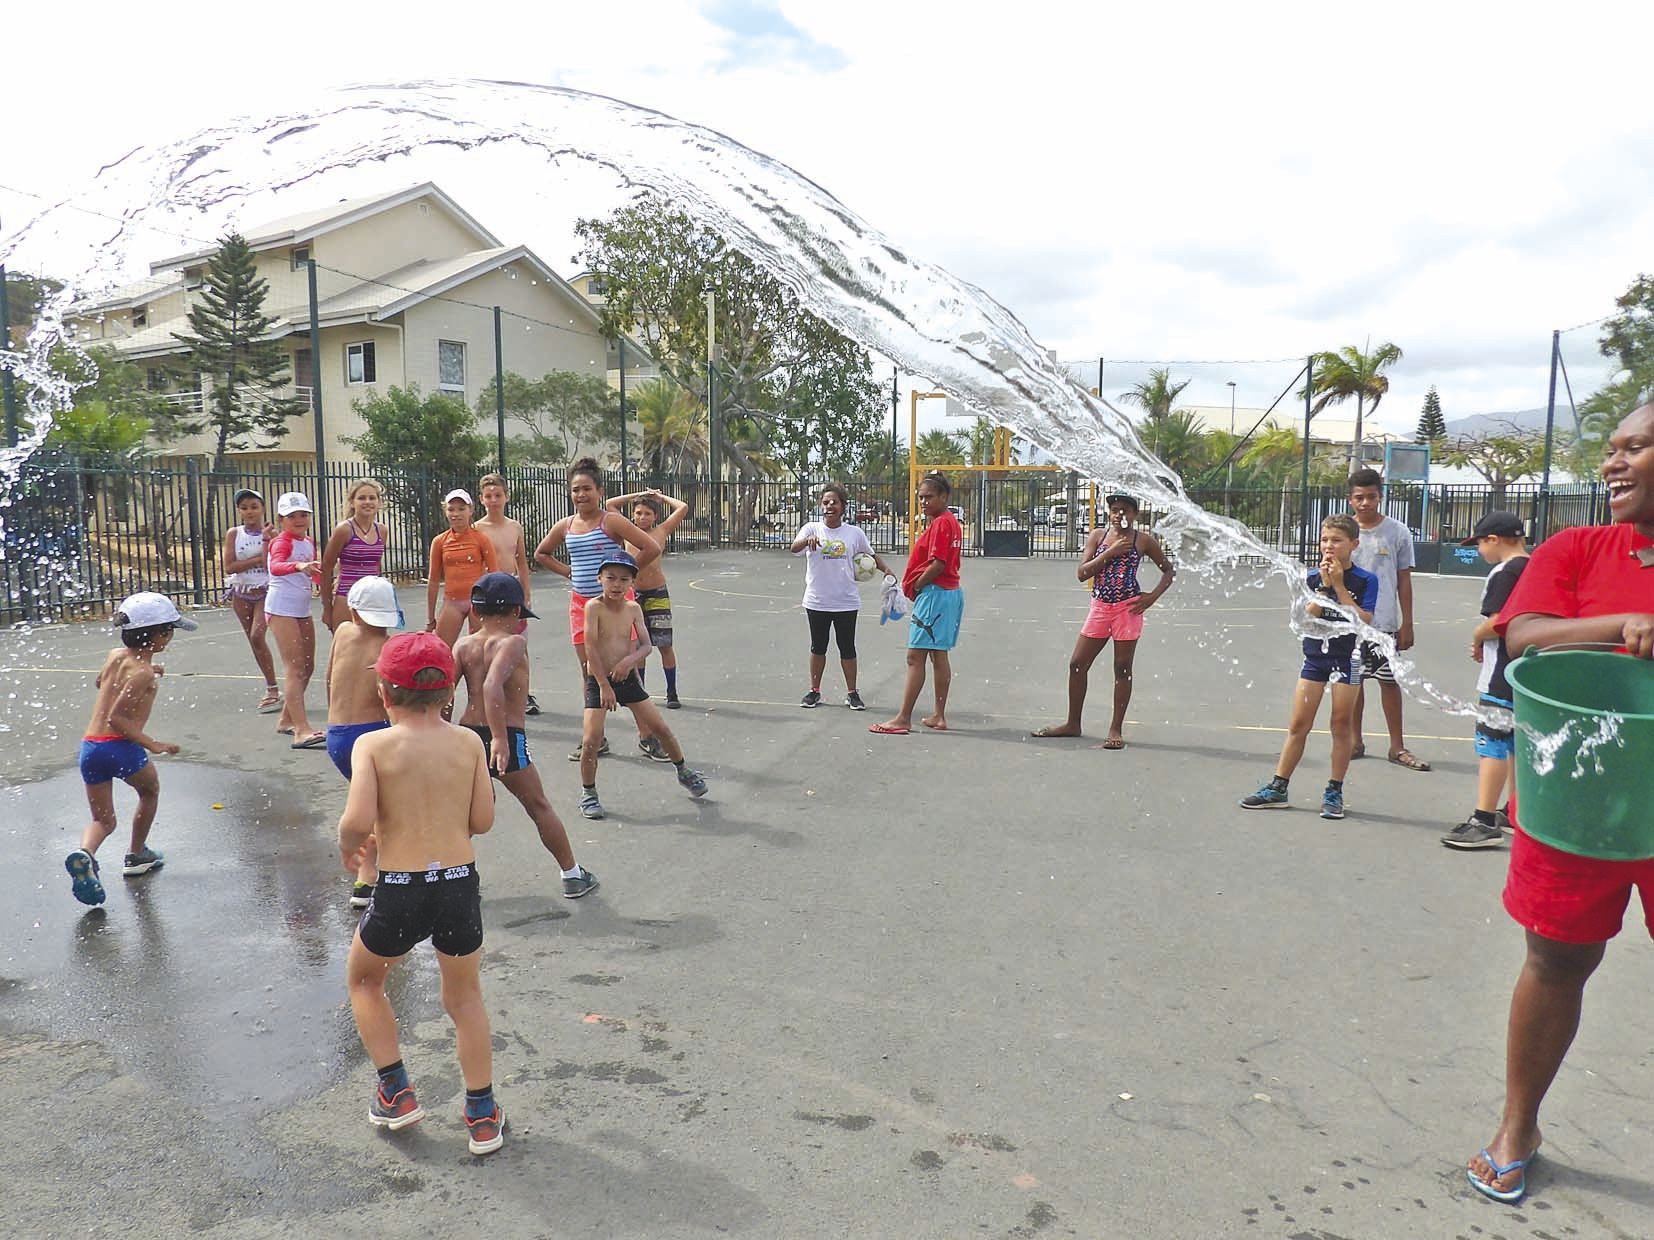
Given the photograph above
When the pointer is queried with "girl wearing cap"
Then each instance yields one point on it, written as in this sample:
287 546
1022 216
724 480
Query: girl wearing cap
354 550
246 580
294 570
459 555
1110 561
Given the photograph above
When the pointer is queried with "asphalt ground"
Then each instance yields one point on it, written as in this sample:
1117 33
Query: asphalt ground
925 986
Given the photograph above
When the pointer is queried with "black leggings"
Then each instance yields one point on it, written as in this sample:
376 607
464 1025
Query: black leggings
841 623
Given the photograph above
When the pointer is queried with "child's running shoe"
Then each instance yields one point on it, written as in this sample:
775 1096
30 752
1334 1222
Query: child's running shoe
142 863
693 780
83 868
672 702
853 701
531 707
590 806
811 700
486 1133
1473 834
361 895
395 1112
1267 797
583 883
601 750
1332 803
652 748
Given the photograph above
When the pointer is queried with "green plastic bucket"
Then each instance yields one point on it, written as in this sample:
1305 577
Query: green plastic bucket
1595 797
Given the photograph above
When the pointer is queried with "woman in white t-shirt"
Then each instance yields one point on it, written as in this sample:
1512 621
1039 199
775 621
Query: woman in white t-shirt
832 599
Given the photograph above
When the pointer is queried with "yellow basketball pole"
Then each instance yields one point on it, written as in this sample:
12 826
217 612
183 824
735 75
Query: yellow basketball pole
913 461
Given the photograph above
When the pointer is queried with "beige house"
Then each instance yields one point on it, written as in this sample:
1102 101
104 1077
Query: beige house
406 285
1330 431
640 367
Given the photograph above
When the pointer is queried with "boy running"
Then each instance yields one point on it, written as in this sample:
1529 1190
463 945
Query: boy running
1352 594
493 662
418 794
650 588
1499 537
510 547
615 650
1385 551
116 745
353 705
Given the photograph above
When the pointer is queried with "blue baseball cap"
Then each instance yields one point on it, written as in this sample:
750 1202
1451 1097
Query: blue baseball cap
619 559
500 590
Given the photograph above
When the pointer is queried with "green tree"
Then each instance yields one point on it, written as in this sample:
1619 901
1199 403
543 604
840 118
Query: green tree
1176 439
937 447
229 343
1353 372
1502 455
673 426
25 294
421 446
561 411
1627 340
1432 426
1155 395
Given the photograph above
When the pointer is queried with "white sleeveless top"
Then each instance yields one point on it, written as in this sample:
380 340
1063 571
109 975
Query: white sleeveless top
248 579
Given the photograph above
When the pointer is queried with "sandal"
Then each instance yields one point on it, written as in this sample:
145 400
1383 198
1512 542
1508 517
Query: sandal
1404 757
270 703
316 740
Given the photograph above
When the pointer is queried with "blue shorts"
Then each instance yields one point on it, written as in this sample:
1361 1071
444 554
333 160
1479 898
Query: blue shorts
1334 662
341 739
933 624
1490 742
104 760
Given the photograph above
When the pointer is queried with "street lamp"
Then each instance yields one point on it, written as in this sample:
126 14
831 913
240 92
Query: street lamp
1229 481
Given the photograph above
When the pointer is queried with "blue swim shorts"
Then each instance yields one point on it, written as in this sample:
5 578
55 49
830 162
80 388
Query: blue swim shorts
341 739
1337 661
105 758
933 624
1490 742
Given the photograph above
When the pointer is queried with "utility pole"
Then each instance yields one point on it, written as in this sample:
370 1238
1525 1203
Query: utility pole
1229 481
714 437
620 345
7 393
499 389
1550 426
321 521
1303 494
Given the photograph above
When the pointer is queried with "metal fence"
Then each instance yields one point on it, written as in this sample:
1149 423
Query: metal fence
82 534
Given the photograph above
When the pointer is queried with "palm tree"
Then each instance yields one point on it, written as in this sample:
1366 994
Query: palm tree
1156 394
1350 372
674 428
1175 438
940 448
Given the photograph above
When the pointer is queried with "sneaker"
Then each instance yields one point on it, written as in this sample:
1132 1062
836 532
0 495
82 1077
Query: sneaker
141 863
1267 797
853 701
394 1112
531 707
672 702
1332 803
693 780
651 747
812 699
83 868
1502 821
601 750
1473 834
590 806
583 883
361 895
486 1133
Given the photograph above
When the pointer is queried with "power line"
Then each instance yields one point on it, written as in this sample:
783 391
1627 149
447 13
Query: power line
1185 361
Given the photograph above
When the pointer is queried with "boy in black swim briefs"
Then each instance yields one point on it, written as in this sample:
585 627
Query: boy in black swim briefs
419 792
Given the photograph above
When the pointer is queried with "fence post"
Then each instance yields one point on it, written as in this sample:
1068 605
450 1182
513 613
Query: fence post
1073 511
1544 520
192 503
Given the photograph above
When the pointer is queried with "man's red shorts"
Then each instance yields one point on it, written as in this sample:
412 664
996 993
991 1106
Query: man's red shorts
1573 899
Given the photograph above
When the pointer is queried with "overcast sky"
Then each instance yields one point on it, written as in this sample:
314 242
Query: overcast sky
1157 182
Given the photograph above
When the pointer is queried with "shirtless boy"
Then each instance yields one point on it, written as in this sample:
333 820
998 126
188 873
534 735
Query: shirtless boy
493 662
116 745
510 547
353 705
615 649
650 587
418 794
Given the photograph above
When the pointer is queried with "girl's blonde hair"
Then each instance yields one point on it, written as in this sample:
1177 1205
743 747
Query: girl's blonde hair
356 489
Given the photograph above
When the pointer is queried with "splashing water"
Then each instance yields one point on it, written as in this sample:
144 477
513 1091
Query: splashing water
841 269
1589 735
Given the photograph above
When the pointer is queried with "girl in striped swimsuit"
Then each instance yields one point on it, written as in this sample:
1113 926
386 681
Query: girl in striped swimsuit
246 580
355 549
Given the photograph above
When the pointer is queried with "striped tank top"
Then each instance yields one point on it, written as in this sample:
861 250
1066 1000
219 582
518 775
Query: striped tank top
248 543
360 558
586 552
1117 580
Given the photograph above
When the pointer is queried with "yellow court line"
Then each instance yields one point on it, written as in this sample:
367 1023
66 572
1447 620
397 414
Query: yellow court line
93 671
768 598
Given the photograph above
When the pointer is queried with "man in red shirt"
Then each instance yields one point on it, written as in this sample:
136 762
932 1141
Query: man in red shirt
932 582
1586 584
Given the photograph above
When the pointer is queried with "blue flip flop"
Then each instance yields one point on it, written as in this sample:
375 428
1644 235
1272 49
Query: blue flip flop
83 868
1509 1196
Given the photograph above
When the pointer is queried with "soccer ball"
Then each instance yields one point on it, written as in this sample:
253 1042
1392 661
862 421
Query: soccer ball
866 566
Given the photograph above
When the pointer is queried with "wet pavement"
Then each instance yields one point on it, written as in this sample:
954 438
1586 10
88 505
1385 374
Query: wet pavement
921 986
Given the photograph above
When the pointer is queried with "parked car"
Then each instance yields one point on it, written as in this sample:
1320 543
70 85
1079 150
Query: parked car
1056 514
867 512
957 511
1042 514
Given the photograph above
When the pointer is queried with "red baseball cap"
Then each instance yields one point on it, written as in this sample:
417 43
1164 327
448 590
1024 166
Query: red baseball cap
407 654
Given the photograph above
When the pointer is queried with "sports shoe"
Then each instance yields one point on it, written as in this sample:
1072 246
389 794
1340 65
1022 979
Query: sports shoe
361 895
601 750
812 699
1332 803
487 1133
141 863
693 780
1267 797
1472 834
83 868
531 707
853 701
395 1112
1502 821
590 806
651 747
583 883
672 702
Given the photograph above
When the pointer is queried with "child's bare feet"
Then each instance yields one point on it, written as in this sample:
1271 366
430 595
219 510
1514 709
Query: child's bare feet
1056 729
935 723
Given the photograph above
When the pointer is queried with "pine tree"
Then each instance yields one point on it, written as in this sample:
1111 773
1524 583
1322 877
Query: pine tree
1432 427
227 345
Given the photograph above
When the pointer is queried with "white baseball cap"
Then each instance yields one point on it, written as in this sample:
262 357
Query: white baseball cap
374 599
290 502
148 609
460 493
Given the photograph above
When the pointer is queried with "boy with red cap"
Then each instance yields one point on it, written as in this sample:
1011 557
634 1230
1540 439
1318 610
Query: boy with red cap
419 792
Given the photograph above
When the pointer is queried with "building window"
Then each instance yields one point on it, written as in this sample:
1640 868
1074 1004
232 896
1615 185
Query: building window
597 286
301 256
140 317
450 366
156 379
359 365
195 278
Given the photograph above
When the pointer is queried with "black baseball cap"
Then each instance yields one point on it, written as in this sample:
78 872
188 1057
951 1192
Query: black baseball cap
1503 524
500 590
1120 497
245 493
